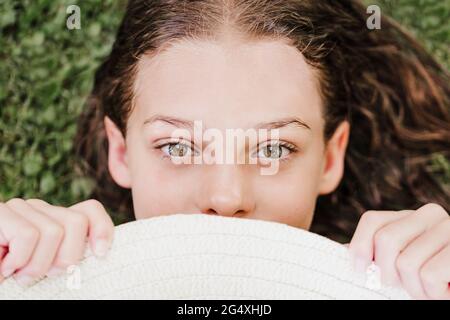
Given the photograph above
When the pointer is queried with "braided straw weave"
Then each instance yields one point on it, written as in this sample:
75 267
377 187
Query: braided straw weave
197 256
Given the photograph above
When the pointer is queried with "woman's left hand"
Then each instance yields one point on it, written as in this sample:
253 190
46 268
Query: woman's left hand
411 248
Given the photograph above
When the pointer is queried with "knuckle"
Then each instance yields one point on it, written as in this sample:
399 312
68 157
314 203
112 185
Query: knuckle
434 208
15 201
95 205
53 232
370 216
34 201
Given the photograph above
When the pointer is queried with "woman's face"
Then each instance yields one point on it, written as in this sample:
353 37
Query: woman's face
214 87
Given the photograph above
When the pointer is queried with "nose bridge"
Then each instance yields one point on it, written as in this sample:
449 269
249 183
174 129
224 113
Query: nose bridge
225 190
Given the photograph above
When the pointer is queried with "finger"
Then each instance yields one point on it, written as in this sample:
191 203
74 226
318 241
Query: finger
414 257
435 275
392 238
101 227
21 238
75 226
51 235
362 244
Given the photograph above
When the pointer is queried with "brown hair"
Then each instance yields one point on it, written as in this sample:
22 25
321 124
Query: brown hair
395 96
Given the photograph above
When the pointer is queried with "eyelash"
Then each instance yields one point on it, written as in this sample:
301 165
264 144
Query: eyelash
291 147
165 156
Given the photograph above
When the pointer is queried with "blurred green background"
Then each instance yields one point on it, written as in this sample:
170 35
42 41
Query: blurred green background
46 72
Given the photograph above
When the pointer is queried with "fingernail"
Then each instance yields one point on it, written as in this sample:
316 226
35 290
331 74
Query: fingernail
54 272
360 265
7 272
101 248
25 281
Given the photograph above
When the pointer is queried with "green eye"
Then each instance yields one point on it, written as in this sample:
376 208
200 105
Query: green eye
176 150
275 151
272 151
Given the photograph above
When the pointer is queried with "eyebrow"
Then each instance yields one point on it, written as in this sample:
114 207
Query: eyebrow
177 122
283 123
182 123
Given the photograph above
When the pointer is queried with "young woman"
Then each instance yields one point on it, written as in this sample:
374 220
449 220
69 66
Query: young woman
360 114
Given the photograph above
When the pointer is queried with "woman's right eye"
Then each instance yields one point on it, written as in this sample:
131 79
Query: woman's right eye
176 149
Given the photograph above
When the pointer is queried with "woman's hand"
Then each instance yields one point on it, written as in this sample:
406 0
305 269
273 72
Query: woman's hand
38 239
411 248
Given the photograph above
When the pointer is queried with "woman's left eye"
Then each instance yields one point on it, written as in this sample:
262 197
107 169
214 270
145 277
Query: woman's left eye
177 149
275 151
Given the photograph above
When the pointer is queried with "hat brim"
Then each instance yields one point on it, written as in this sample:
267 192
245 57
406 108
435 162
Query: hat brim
197 256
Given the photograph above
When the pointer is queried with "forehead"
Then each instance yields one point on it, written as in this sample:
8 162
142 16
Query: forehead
225 83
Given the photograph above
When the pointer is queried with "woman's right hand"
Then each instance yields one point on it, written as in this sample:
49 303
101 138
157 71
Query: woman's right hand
38 239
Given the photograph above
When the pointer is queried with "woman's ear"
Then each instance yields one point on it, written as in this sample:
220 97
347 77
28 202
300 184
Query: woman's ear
117 157
333 168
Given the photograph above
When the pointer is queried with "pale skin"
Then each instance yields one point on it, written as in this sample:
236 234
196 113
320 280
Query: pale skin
263 83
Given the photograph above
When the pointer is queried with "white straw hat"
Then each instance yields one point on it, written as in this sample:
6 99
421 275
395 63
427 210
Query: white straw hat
198 256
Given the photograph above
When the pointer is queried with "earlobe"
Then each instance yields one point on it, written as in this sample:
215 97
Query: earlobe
333 169
117 154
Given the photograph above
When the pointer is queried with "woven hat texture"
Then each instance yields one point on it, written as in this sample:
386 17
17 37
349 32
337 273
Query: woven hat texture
198 256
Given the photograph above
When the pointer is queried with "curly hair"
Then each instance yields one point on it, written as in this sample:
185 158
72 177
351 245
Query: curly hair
395 96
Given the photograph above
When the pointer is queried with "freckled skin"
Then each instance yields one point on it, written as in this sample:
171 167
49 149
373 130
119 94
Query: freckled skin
227 85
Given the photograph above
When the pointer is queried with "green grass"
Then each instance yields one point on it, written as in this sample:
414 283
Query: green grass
46 72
